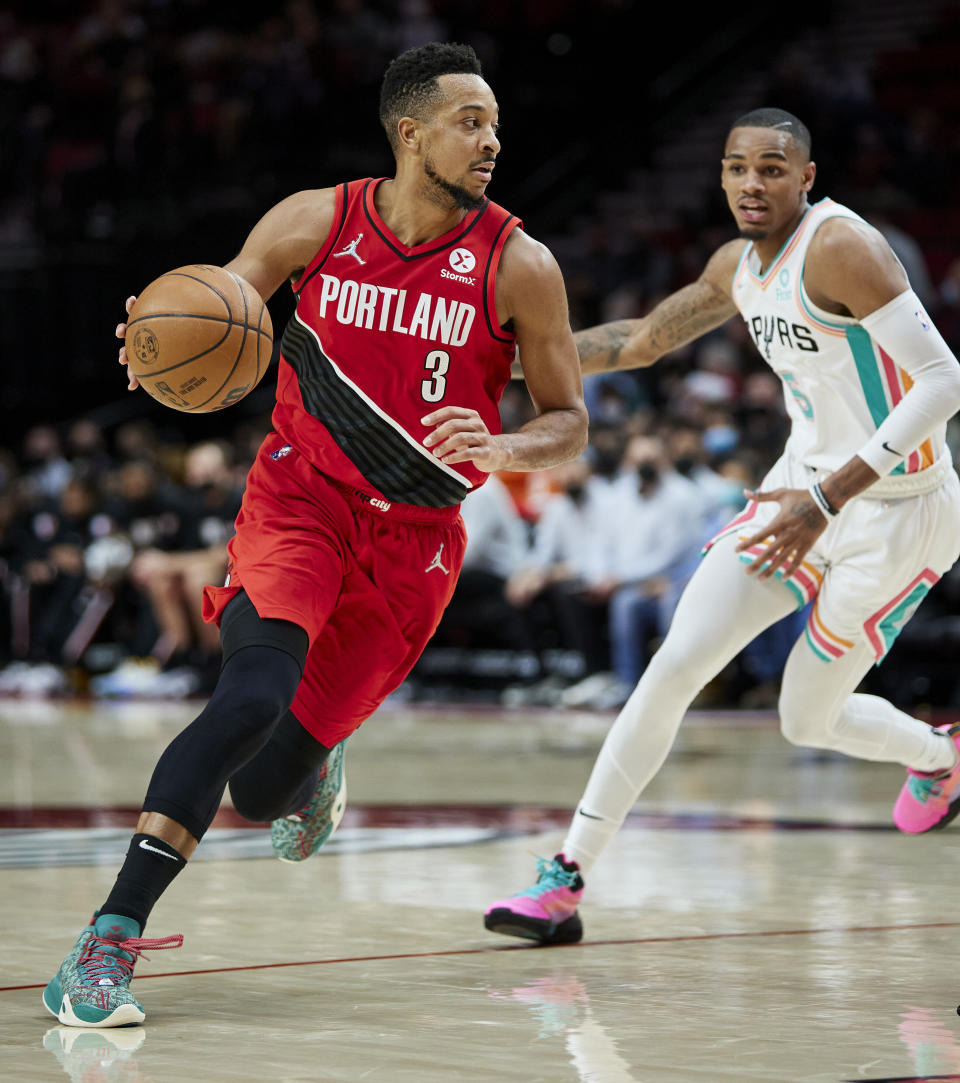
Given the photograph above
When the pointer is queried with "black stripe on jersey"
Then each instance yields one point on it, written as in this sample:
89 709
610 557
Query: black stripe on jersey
430 251
492 325
384 457
343 218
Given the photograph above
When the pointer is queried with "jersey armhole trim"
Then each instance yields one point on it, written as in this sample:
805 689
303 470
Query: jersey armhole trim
490 281
340 216
832 323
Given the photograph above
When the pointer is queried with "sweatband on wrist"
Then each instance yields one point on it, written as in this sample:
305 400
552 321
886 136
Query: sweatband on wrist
821 500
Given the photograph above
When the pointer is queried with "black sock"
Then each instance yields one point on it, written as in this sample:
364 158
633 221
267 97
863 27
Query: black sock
147 872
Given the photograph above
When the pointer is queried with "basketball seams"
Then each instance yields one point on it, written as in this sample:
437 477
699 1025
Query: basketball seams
243 341
203 353
203 282
227 379
197 316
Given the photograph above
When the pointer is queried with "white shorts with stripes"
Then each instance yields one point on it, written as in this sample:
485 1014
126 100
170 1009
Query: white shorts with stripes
872 566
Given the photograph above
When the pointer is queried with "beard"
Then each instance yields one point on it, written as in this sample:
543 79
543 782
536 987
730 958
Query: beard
455 192
749 234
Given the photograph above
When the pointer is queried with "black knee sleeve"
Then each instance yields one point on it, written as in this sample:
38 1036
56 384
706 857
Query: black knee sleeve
263 664
281 776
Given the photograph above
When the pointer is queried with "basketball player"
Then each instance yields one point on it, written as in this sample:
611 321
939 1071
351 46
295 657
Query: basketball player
860 515
413 294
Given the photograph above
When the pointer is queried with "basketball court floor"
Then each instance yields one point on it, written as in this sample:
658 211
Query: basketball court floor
758 918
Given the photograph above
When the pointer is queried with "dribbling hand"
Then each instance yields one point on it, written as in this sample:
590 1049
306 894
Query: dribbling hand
132 382
789 536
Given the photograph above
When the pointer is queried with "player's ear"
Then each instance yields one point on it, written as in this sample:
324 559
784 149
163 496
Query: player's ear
408 133
809 175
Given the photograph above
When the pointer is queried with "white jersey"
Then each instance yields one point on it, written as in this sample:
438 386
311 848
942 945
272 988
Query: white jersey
838 383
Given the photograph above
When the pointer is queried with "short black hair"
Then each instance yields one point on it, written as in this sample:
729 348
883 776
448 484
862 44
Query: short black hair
779 119
409 86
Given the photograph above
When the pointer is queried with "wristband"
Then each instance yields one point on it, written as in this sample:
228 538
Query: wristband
821 501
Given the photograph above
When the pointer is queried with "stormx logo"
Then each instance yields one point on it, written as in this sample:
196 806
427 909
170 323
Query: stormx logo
467 280
462 260
281 452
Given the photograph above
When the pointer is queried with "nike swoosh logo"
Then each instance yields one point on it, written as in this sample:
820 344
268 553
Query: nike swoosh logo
144 845
589 815
892 450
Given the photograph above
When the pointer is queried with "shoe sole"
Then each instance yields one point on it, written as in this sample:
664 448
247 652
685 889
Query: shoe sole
127 1015
507 923
953 811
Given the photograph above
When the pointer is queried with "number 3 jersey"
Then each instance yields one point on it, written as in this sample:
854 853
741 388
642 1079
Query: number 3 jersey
383 334
838 384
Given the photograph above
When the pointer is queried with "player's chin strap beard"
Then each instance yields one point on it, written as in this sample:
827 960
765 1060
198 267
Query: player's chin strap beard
460 196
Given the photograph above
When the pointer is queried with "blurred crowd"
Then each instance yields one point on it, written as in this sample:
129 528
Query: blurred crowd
133 128
105 544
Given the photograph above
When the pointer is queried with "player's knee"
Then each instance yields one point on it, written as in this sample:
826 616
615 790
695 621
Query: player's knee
801 725
251 711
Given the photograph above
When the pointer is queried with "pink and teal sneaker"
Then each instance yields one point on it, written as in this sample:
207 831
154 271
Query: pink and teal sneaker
930 800
546 912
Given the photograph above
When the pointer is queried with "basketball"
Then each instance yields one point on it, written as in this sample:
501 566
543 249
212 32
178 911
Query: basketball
199 338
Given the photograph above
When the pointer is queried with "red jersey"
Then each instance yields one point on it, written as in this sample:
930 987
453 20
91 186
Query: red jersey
384 334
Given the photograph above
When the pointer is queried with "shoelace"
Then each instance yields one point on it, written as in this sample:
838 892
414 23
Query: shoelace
550 875
101 961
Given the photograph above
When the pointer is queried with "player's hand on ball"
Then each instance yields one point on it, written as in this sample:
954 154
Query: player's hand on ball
132 382
460 436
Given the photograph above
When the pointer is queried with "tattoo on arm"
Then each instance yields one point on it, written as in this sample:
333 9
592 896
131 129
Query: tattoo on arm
601 346
687 314
678 319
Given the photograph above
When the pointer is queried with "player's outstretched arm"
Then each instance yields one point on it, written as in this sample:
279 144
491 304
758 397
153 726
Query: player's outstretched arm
678 319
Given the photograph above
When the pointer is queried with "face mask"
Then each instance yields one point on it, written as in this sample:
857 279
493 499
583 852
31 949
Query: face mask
719 439
648 473
605 464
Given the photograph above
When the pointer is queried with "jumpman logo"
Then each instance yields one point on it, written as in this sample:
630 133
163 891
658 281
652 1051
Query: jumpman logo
351 249
436 563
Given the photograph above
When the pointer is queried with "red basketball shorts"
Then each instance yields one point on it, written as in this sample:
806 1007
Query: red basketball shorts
367 580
